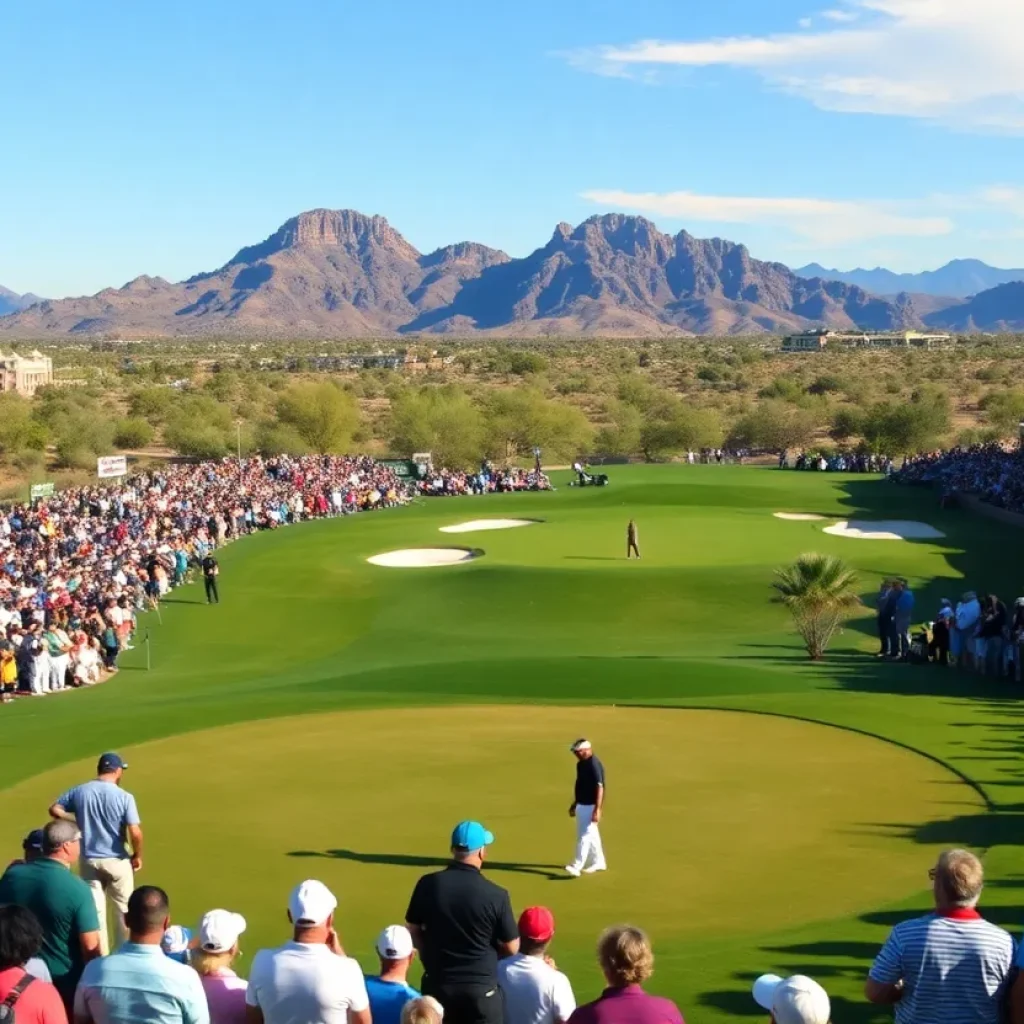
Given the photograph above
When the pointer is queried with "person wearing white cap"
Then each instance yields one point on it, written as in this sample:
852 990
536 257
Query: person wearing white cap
795 1000
389 991
587 807
216 949
309 980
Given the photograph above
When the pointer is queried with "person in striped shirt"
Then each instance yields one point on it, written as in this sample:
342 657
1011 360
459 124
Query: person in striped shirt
951 966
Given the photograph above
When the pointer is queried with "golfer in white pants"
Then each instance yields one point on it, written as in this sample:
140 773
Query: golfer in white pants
586 808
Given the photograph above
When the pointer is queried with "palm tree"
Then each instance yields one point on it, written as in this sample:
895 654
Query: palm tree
820 591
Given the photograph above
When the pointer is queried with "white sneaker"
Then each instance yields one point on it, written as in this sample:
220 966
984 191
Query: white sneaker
595 868
573 870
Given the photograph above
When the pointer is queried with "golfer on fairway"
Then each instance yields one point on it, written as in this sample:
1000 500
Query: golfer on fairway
586 809
631 547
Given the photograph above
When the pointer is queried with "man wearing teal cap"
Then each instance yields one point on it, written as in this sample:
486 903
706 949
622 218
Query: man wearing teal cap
462 923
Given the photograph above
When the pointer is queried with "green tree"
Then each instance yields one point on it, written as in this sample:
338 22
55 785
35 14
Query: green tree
519 419
1004 410
847 422
132 433
620 435
322 414
774 426
820 592
273 438
442 421
907 427
152 404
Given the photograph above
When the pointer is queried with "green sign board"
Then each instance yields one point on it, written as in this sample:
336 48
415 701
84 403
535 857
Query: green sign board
405 469
37 491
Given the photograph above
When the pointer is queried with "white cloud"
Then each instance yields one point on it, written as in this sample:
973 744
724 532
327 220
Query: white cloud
818 221
805 22
951 61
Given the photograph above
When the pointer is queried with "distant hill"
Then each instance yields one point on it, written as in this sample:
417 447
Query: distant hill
12 302
957 279
339 273
995 310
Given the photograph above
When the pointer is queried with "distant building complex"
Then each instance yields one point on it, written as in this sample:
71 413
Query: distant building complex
818 341
25 374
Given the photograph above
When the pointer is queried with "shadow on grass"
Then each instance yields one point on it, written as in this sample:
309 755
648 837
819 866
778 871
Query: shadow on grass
410 860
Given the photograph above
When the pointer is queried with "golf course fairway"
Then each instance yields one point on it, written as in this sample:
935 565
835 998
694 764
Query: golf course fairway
333 718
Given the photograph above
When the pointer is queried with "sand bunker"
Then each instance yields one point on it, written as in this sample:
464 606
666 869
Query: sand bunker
800 517
884 529
421 558
488 524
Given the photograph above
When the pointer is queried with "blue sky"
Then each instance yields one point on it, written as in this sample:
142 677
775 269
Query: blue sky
160 138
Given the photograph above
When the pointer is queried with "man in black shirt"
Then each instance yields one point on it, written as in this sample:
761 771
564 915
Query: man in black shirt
461 923
211 570
586 808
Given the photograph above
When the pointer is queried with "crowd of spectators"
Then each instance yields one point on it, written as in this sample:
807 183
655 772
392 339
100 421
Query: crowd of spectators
481 964
76 567
993 473
836 462
445 483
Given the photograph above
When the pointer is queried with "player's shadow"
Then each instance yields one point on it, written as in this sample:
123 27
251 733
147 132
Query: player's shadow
411 860
593 558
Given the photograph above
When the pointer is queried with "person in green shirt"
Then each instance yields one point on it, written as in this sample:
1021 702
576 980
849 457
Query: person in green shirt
61 902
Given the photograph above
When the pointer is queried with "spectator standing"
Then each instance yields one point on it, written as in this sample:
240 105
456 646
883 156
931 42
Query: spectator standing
61 903
33 1000
883 618
106 814
534 990
1017 638
309 980
627 961
942 627
990 636
389 991
968 612
461 923
795 1000
950 965
211 570
216 951
902 617
138 984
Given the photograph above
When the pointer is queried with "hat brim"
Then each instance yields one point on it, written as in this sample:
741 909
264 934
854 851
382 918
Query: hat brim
764 990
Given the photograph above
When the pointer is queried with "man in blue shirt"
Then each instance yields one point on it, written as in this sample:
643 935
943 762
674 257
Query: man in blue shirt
388 992
139 983
107 816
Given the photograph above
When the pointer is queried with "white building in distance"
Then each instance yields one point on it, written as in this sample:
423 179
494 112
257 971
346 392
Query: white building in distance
819 340
24 374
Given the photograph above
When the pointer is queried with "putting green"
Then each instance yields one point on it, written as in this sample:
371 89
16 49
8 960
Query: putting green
700 802
350 707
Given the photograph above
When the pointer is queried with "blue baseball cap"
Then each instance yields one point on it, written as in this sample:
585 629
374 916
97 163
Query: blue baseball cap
33 841
177 943
110 762
470 835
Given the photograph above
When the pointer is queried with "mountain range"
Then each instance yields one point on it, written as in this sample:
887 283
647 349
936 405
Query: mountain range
339 273
958 279
12 302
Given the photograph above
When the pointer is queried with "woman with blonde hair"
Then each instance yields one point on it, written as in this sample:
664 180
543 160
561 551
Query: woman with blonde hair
627 961
215 951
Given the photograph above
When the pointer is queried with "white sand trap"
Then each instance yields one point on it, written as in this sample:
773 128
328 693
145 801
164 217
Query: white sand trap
487 524
799 517
421 558
884 529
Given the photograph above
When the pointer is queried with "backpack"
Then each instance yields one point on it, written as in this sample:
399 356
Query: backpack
7 1015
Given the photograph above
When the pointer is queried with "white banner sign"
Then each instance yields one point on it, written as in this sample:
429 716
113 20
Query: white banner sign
111 465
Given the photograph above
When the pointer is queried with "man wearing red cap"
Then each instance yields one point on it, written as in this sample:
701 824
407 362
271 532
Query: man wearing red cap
533 990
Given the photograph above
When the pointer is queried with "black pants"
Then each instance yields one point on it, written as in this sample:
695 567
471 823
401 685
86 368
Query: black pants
467 1004
212 597
632 549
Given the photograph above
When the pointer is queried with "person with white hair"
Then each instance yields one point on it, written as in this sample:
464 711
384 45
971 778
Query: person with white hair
794 1000
422 1010
951 964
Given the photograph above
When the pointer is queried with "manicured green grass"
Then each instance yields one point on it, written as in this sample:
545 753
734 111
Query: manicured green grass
743 842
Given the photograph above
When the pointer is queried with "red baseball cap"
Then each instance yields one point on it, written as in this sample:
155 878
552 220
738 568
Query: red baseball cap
537 924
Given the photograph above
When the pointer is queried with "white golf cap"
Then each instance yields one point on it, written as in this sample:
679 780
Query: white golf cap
395 943
580 744
795 1000
311 902
219 930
